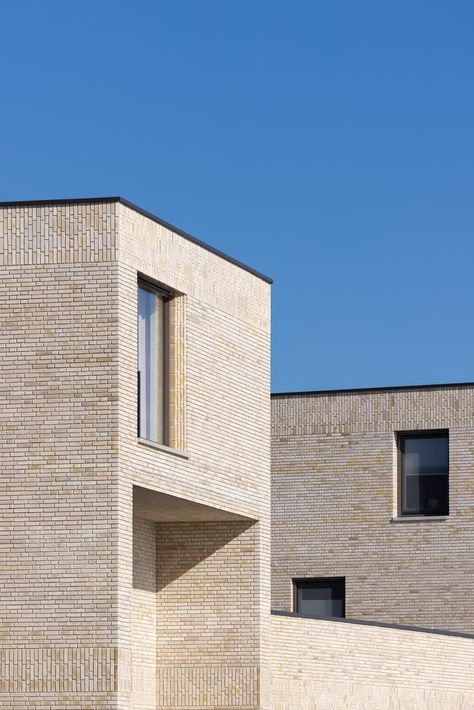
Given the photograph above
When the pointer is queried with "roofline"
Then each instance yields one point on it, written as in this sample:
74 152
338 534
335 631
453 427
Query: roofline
368 390
145 213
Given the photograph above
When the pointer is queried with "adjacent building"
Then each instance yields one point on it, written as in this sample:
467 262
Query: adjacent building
373 504
135 571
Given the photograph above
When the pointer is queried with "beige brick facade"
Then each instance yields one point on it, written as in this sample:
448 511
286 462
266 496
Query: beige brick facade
136 576
324 665
97 607
59 459
334 497
227 416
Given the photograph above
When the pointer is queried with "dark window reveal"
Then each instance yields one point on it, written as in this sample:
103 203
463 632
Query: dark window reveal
424 473
320 597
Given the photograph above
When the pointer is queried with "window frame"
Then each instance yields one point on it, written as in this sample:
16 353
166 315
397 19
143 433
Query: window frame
298 580
417 434
163 293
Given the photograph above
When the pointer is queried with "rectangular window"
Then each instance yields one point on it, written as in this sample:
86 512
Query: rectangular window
424 473
320 597
152 363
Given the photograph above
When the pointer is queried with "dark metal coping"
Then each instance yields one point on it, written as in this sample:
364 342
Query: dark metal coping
154 218
363 622
356 390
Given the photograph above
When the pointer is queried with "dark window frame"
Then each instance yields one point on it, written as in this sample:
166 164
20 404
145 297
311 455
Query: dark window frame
338 580
401 437
166 295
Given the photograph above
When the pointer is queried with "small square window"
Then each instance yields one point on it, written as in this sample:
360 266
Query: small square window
424 473
320 597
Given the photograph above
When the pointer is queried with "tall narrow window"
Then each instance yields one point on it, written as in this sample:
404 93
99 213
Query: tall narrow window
152 364
320 597
424 473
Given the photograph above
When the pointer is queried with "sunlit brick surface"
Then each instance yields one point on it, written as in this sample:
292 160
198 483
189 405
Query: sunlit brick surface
323 665
334 494
84 620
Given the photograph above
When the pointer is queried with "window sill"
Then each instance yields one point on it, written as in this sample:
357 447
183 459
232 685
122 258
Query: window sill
420 518
162 447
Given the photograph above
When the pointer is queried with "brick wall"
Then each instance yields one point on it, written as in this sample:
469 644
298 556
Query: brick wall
70 459
324 665
334 492
58 451
195 620
226 424
144 615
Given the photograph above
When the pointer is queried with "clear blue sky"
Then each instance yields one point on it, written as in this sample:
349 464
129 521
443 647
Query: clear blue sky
328 144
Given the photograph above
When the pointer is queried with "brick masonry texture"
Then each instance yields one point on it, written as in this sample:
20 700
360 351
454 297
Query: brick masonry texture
77 575
334 494
323 665
227 427
165 602
76 670
191 582
58 375
58 234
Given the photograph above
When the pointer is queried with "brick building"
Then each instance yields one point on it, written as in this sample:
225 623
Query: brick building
135 464
373 496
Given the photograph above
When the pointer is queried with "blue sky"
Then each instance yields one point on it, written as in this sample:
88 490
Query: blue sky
328 144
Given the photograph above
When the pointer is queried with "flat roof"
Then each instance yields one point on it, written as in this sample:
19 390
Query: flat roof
145 213
357 390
